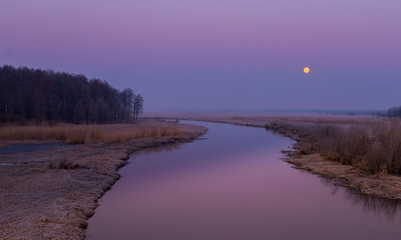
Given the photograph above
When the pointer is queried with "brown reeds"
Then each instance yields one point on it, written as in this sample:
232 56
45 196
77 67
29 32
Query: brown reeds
65 164
77 134
372 147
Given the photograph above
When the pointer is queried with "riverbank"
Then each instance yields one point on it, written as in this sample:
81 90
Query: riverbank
50 194
305 157
302 157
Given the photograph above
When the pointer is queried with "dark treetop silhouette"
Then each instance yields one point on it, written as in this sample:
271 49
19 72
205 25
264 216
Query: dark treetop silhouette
33 94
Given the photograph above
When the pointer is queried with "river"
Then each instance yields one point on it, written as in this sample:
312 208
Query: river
234 185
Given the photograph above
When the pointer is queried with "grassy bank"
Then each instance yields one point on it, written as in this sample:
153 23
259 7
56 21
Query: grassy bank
79 134
372 147
50 194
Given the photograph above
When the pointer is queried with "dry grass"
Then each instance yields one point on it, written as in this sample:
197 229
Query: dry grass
65 164
79 134
370 146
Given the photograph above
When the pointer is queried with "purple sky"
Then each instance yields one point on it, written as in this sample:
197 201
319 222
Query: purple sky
231 54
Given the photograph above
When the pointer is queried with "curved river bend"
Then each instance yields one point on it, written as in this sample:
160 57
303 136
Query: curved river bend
233 185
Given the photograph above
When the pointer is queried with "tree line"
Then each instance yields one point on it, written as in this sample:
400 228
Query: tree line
46 96
394 112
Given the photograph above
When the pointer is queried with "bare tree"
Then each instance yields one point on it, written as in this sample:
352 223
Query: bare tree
138 106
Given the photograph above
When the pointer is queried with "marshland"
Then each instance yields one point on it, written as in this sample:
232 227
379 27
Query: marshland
359 152
200 120
87 134
234 185
340 148
50 192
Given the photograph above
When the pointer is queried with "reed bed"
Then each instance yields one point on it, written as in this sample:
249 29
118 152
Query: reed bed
371 146
78 134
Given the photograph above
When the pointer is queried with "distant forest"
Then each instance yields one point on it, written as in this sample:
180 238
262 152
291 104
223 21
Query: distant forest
394 112
34 95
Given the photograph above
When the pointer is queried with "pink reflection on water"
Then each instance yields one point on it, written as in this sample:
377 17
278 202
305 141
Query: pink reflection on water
247 195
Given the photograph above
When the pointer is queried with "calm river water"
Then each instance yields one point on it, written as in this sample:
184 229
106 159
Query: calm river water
233 185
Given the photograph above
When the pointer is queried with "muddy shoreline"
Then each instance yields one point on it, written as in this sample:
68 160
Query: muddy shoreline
50 194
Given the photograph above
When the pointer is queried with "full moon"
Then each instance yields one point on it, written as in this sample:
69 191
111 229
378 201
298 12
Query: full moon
306 70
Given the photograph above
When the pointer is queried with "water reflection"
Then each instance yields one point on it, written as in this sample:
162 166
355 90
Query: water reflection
380 206
233 186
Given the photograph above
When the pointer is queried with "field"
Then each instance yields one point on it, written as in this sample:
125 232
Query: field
87 134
